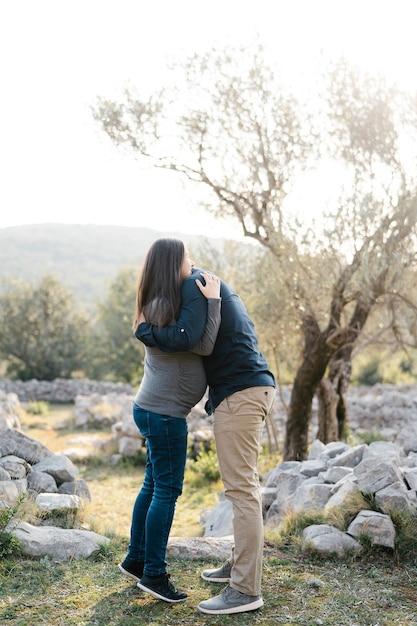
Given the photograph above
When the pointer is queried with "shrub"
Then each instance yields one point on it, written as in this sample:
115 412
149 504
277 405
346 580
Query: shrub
207 465
292 526
8 543
405 523
371 436
39 407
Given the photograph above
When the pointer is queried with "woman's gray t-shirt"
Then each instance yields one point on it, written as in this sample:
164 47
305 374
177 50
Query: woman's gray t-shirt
174 382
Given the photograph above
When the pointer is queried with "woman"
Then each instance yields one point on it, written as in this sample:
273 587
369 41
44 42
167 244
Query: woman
172 384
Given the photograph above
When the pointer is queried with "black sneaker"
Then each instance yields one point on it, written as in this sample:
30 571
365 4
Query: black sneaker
160 587
134 569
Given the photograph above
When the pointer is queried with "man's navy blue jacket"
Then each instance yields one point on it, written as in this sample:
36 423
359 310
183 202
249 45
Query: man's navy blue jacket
236 362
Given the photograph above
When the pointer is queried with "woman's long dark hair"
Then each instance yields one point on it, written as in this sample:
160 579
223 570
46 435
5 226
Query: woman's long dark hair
159 288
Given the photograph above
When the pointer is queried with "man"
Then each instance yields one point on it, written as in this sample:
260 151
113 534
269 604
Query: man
241 395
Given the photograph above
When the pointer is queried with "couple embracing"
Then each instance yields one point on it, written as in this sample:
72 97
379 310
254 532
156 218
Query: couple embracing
197 333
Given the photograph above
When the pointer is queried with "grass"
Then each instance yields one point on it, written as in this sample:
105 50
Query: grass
296 592
298 589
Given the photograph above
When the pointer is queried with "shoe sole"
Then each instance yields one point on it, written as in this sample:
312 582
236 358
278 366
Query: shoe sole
242 608
126 573
212 579
157 595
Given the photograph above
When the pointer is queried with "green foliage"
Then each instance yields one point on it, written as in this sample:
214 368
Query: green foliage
45 335
42 332
371 436
369 374
39 407
292 526
116 351
372 367
405 523
366 543
206 466
9 545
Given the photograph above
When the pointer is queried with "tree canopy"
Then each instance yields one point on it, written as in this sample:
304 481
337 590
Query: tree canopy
228 123
43 334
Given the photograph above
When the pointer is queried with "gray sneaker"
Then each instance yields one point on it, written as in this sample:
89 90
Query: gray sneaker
219 575
230 601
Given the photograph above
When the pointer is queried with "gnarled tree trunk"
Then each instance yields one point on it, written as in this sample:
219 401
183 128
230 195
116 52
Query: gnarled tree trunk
313 367
331 348
340 369
328 401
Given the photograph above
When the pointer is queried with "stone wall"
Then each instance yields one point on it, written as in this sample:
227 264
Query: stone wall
388 411
61 389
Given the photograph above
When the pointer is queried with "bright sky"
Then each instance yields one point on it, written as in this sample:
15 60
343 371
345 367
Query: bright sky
58 55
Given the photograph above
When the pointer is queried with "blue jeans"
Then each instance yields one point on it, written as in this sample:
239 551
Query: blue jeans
153 512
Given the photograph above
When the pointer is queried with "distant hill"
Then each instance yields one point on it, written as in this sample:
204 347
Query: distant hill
86 258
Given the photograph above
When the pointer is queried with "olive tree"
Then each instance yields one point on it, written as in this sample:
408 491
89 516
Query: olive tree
229 125
117 352
43 334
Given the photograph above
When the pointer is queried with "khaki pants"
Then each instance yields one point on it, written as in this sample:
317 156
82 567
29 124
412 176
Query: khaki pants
237 424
